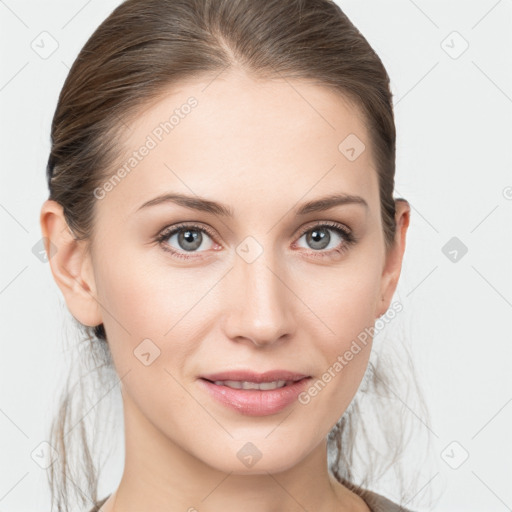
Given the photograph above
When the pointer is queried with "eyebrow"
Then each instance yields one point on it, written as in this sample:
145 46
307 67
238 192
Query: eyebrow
208 206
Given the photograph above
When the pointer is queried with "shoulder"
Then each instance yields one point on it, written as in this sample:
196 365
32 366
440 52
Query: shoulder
358 497
99 504
379 503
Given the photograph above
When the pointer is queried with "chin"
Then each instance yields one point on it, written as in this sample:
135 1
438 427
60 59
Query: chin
259 457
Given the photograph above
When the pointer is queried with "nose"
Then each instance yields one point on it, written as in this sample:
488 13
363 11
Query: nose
260 306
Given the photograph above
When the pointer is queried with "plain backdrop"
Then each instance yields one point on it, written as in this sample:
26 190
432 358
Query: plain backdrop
450 64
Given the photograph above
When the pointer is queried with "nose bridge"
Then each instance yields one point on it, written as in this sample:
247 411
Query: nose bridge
261 303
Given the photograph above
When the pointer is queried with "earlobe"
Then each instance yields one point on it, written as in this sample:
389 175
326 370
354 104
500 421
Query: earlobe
70 264
394 258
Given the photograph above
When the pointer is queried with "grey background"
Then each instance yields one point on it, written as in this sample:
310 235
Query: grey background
453 114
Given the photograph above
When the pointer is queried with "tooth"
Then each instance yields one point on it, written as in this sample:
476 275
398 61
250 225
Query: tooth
250 385
267 385
264 386
236 384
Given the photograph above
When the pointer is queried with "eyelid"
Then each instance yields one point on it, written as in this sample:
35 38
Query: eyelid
324 223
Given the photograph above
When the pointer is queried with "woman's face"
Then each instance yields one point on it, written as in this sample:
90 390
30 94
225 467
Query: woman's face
269 288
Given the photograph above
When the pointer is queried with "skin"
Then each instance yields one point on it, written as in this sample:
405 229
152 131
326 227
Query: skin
262 147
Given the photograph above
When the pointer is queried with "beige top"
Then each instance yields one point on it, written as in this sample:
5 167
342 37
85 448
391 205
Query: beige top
376 503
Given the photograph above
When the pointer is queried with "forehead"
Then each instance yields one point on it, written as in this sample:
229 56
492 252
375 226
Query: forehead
245 142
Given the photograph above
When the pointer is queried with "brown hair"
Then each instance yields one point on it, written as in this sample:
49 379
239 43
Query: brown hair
136 54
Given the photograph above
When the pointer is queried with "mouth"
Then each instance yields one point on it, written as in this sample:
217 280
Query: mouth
255 394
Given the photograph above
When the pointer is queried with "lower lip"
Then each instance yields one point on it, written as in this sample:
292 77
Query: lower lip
256 402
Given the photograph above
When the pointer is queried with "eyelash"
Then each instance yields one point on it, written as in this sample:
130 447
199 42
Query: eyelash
349 238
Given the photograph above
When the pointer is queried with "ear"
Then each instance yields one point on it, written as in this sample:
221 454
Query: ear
393 263
71 265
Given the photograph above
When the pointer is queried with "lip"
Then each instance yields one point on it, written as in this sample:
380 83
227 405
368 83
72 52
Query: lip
255 402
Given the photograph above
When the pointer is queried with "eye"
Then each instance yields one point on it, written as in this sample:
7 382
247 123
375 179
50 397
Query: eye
188 237
319 238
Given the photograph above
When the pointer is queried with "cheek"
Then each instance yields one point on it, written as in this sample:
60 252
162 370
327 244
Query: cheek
143 311
352 307
345 306
156 317
150 335
344 300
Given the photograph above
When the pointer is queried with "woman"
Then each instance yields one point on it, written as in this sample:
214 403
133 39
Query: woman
222 221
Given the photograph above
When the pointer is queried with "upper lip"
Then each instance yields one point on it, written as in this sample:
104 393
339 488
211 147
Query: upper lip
250 376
